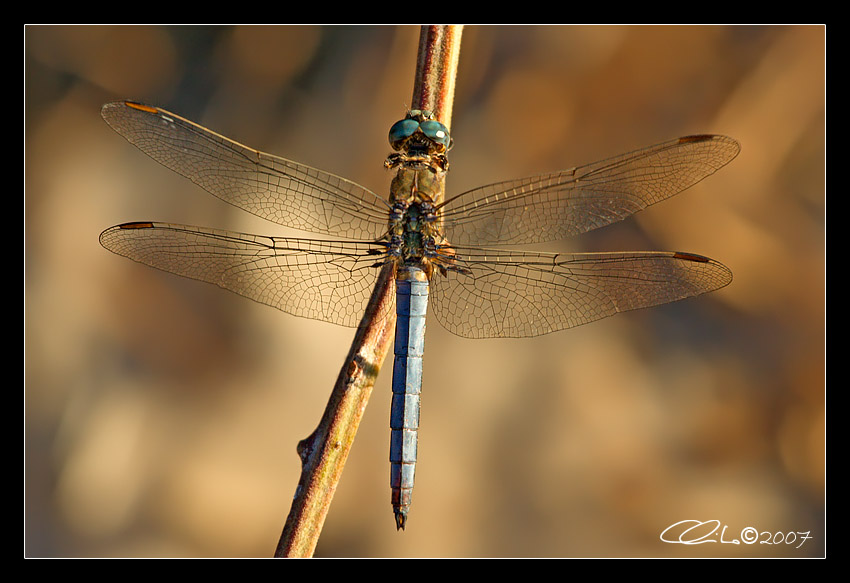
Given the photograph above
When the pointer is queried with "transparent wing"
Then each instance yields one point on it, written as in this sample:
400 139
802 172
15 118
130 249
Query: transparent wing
554 206
521 294
324 280
282 191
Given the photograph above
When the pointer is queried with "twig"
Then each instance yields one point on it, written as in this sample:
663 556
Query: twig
324 452
436 69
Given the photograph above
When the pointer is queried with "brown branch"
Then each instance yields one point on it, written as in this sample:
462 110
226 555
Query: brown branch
436 69
324 452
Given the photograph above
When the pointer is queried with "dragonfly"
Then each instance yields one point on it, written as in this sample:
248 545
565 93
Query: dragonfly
437 246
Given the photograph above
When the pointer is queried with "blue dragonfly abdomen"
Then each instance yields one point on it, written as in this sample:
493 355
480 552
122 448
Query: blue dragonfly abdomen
409 350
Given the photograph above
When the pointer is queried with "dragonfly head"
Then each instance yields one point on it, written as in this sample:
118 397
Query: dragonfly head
420 132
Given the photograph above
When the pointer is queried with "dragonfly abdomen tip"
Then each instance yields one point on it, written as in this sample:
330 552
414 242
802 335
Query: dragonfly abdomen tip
400 519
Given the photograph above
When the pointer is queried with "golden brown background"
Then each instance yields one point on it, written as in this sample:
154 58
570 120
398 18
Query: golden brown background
161 414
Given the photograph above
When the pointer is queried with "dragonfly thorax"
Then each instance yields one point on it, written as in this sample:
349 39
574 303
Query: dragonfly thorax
417 190
412 233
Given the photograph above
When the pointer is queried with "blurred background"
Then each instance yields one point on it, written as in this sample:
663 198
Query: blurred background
162 414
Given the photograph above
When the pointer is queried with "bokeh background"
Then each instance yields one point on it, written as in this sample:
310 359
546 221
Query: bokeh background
162 414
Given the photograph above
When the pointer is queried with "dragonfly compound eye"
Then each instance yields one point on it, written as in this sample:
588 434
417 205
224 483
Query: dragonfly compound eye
437 133
401 130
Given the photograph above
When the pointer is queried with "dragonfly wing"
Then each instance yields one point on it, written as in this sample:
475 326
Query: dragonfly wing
522 294
276 189
554 206
324 280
